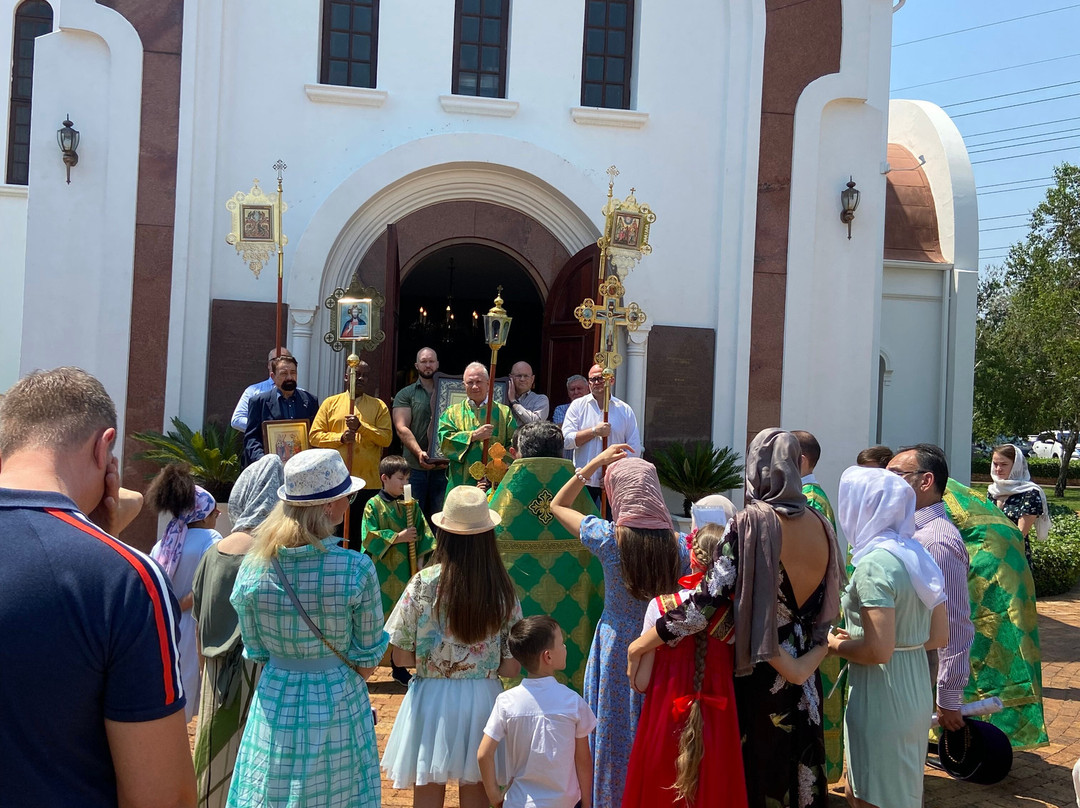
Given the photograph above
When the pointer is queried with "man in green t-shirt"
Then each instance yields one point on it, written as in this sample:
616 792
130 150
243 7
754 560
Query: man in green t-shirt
412 423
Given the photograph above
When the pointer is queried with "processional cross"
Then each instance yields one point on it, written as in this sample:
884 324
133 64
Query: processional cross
610 314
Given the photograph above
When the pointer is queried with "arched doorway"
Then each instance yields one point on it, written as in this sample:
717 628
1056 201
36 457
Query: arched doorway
455 285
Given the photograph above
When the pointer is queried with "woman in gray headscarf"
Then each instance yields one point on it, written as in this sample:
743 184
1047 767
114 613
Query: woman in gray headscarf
228 679
777 575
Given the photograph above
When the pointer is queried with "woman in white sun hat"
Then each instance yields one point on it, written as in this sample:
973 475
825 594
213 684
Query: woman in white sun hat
312 612
453 623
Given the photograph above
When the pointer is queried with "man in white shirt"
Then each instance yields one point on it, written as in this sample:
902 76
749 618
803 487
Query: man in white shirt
584 428
240 414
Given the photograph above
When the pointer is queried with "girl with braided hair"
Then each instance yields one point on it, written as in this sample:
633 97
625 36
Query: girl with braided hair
689 709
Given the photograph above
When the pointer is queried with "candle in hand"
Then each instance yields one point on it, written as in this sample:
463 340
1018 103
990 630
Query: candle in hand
408 492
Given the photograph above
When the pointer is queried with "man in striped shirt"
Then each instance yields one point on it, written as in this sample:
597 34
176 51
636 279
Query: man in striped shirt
91 702
926 470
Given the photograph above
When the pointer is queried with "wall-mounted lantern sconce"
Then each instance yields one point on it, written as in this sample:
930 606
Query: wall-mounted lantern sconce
68 138
849 201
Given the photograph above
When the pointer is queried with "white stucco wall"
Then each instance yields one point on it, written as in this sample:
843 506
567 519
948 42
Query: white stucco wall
13 200
80 237
833 283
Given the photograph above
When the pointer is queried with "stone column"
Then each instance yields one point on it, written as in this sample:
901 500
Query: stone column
301 325
634 371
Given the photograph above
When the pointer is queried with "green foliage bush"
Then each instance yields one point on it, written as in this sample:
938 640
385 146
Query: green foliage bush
1055 563
696 469
213 454
1045 467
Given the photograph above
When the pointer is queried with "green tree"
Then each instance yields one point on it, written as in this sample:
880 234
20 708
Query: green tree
1027 370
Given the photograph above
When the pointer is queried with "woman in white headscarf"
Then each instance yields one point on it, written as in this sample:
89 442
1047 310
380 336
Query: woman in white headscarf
229 680
1019 498
894 608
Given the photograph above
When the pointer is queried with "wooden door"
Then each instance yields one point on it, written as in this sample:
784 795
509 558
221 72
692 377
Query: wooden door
568 348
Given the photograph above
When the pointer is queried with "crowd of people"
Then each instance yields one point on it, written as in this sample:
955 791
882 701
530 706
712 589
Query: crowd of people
746 663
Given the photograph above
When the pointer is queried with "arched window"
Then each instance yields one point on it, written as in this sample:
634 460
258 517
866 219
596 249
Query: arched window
481 37
350 42
32 19
607 54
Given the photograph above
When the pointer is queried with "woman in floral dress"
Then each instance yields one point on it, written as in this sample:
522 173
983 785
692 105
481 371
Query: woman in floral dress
453 623
310 739
642 557
1019 498
779 566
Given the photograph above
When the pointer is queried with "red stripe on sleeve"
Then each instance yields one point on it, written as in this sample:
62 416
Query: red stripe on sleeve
152 590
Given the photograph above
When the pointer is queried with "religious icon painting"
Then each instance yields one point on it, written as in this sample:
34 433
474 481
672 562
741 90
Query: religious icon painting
257 222
285 438
628 230
354 319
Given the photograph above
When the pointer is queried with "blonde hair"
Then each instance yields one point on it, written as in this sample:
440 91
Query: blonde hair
291 526
692 739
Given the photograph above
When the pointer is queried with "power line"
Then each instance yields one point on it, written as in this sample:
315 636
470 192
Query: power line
1018 156
984 73
1010 190
1016 182
1014 106
1010 216
1008 95
1020 145
995 229
986 25
1026 137
1028 126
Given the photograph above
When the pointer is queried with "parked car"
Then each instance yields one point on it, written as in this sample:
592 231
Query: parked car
1050 444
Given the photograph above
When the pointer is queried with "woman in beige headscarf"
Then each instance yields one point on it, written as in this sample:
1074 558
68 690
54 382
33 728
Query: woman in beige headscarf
777 567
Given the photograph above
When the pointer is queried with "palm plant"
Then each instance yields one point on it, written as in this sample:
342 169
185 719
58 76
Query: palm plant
696 469
213 454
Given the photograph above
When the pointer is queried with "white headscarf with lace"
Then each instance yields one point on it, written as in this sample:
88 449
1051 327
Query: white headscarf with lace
1019 482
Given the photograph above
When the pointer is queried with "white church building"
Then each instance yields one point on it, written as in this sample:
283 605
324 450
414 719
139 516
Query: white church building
438 148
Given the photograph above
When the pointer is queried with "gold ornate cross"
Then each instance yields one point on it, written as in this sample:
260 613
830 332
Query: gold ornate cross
611 314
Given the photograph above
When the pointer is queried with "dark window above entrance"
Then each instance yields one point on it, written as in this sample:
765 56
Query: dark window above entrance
350 42
607 53
481 37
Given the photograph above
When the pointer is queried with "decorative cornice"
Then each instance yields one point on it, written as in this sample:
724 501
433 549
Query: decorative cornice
598 116
476 105
15 191
349 96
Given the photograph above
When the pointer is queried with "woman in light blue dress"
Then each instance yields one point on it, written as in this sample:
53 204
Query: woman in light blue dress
309 739
642 557
894 608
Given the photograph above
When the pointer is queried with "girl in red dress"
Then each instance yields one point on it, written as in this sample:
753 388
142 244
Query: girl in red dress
689 711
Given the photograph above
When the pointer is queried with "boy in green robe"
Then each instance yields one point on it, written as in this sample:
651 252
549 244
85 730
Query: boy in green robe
386 534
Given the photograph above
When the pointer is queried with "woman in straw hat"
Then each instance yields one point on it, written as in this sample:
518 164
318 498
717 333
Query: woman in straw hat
312 613
453 623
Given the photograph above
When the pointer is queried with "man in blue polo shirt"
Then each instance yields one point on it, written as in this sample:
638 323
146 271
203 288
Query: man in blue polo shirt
91 703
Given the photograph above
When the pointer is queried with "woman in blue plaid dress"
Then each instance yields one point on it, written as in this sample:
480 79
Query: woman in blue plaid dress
309 740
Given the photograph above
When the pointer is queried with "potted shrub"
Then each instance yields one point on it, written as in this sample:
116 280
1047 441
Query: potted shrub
696 469
213 454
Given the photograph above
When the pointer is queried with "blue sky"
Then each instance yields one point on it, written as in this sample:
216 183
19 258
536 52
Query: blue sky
1019 59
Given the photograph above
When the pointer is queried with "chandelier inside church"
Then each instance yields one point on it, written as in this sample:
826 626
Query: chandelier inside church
446 325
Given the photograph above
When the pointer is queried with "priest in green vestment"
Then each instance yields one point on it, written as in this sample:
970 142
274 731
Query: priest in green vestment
462 429
833 707
386 517
551 570
1006 660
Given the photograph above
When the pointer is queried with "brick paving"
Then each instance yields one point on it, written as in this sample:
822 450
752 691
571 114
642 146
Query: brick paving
1041 777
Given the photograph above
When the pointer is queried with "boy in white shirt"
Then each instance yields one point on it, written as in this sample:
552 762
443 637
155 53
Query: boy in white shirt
545 725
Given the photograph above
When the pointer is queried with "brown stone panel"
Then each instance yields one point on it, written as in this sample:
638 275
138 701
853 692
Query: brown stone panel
678 396
160 29
242 332
802 43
